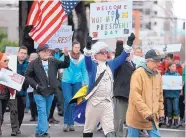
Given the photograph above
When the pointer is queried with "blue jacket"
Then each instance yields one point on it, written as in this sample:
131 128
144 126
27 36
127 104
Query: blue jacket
76 72
172 93
92 70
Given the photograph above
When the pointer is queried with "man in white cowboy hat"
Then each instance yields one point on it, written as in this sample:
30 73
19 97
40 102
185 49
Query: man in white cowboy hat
99 107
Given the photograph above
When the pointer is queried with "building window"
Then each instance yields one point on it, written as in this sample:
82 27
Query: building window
155 13
155 23
155 2
147 11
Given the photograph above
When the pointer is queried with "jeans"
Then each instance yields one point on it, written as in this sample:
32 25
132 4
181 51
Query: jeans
172 106
69 90
133 132
43 109
27 102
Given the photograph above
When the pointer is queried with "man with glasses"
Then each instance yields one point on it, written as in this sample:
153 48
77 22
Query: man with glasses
99 107
146 107
41 74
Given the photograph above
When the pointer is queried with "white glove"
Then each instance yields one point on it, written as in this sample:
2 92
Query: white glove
127 48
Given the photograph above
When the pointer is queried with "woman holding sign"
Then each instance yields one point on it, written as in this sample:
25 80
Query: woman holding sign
73 78
4 90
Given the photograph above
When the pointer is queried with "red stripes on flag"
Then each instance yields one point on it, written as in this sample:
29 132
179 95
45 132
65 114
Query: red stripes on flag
46 18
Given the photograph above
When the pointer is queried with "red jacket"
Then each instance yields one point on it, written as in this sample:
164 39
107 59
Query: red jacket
179 69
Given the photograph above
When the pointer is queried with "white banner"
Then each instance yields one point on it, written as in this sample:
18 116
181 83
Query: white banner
11 79
172 82
61 39
12 64
110 19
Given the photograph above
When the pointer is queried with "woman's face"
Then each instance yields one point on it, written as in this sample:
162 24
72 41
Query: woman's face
4 61
76 48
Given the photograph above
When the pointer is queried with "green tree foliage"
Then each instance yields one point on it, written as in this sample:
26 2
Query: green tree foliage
5 42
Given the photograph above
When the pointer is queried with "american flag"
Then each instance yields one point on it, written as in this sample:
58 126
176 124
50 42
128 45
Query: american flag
47 16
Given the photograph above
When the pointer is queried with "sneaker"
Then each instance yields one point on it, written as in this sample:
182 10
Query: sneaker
176 124
19 132
14 133
65 128
71 128
44 135
53 121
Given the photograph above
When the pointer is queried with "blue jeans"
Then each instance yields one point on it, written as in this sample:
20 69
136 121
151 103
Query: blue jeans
43 109
172 107
27 102
133 132
69 90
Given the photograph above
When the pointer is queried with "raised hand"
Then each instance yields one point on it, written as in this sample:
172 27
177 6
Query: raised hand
89 43
131 39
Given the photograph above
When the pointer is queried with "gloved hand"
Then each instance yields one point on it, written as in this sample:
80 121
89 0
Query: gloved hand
150 118
131 39
89 43
39 87
161 120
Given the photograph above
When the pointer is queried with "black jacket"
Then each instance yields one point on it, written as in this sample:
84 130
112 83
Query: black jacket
35 74
122 76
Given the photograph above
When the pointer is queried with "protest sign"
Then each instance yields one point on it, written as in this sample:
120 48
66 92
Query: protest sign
11 50
170 48
172 82
12 64
110 19
61 39
11 79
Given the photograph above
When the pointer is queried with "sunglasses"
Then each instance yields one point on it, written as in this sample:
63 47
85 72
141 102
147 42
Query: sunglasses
6 60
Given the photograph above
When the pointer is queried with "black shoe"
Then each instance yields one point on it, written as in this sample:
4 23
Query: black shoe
60 113
33 119
169 123
14 133
44 135
18 132
89 135
53 121
176 125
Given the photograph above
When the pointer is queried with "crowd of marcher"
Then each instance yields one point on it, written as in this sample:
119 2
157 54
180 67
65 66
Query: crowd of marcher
119 93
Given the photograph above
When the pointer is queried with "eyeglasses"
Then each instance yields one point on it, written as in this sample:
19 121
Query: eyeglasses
6 60
103 52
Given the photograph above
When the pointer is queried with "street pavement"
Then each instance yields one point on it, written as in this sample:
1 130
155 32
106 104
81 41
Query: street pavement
28 129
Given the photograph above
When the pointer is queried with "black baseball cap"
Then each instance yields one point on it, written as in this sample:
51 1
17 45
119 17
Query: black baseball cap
41 48
153 54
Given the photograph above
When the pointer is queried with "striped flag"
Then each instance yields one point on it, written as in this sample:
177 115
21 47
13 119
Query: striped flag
46 17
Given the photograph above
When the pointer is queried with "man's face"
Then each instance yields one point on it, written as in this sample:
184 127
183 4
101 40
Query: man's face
168 60
102 55
153 64
22 54
4 61
138 53
44 54
177 61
